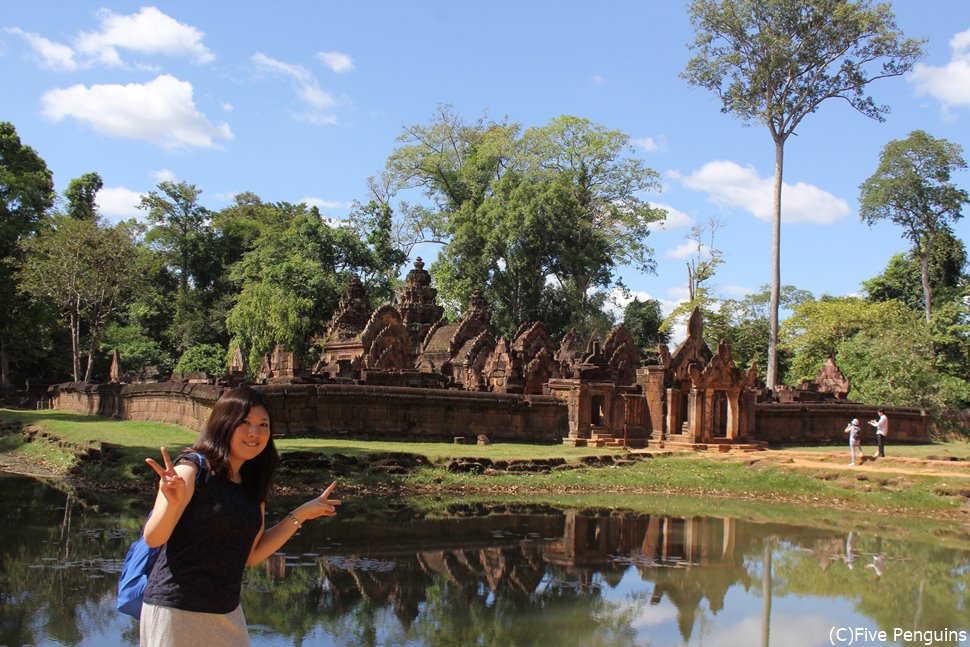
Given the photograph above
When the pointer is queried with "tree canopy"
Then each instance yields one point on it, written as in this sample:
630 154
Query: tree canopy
913 188
774 62
518 211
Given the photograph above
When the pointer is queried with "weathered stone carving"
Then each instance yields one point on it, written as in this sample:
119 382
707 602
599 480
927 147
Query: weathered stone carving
570 353
622 354
417 303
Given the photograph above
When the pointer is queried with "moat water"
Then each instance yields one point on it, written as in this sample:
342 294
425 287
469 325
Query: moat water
388 574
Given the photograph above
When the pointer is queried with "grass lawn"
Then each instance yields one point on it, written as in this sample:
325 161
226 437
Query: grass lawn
64 436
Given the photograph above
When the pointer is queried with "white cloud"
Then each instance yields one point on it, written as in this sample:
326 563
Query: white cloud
320 203
119 203
308 89
164 175
618 300
161 111
676 219
687 249
53 56
226 106
147 32
950 84
336 61
736 290
598 80
650 144
732 185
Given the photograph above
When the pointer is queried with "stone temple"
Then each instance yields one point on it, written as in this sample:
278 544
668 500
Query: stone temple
403 371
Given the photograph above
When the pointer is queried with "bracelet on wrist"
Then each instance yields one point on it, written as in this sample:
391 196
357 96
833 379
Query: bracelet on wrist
296 522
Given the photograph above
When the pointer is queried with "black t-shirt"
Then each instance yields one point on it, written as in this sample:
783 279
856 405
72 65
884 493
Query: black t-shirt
201 566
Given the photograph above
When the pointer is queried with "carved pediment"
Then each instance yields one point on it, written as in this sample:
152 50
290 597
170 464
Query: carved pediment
622 354
692 349
720 373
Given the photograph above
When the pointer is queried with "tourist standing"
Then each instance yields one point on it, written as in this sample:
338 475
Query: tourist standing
211 530
855 440
882 430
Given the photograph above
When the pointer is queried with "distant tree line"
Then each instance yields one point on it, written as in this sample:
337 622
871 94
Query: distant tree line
540 219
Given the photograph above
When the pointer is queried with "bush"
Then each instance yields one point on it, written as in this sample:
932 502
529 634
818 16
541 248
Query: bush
208 358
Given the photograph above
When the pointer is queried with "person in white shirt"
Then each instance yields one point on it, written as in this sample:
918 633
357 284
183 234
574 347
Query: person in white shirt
882 430
855 440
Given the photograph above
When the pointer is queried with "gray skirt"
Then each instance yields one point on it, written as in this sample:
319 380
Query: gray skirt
167 627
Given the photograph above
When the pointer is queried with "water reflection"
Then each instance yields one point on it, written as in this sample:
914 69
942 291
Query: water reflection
500 577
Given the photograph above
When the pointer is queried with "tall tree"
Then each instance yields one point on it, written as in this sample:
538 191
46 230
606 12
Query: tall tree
558 203
701 267
902 278
85 270
178 225
291 280
774 62
182 231
81 194
26 194
912 187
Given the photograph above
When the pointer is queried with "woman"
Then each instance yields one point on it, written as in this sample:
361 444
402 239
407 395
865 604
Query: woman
209 532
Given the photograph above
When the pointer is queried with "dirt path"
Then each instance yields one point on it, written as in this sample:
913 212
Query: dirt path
887 465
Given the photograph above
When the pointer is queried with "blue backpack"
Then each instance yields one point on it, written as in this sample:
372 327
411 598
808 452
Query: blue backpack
141 557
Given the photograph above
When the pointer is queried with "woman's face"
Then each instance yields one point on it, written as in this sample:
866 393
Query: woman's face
251 436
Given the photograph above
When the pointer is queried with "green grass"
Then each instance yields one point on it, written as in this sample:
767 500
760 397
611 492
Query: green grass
712 477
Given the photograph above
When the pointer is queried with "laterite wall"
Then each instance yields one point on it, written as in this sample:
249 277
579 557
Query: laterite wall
344 410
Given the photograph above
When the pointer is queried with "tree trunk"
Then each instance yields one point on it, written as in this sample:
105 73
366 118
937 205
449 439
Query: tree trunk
772 371
87 371
924 263
75 342
4 364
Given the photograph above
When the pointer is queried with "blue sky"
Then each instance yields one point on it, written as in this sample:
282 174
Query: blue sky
302 101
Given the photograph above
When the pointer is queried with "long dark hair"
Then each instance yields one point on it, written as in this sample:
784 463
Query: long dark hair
229 411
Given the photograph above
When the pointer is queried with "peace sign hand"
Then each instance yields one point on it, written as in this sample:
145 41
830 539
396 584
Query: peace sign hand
170 484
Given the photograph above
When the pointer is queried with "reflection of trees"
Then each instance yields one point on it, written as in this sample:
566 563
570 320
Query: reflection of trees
58 566
921 586
482 579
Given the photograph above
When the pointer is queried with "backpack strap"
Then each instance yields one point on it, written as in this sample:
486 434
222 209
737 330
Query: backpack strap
199 460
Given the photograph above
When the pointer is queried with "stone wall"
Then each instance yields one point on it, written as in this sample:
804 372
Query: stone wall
821 423
172 402
401 413
340 410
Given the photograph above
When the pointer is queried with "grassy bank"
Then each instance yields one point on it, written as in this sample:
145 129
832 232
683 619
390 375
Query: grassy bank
108 453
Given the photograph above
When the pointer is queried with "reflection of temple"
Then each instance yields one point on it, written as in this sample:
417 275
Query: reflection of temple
527 557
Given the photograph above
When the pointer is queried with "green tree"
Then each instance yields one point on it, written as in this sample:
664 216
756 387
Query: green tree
178 224
26 194
816 329
744 323
912 188
895 365
558 203
701 267
135 348
644 320
774 62
902 278
291 281
81 196
84 269
374 223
